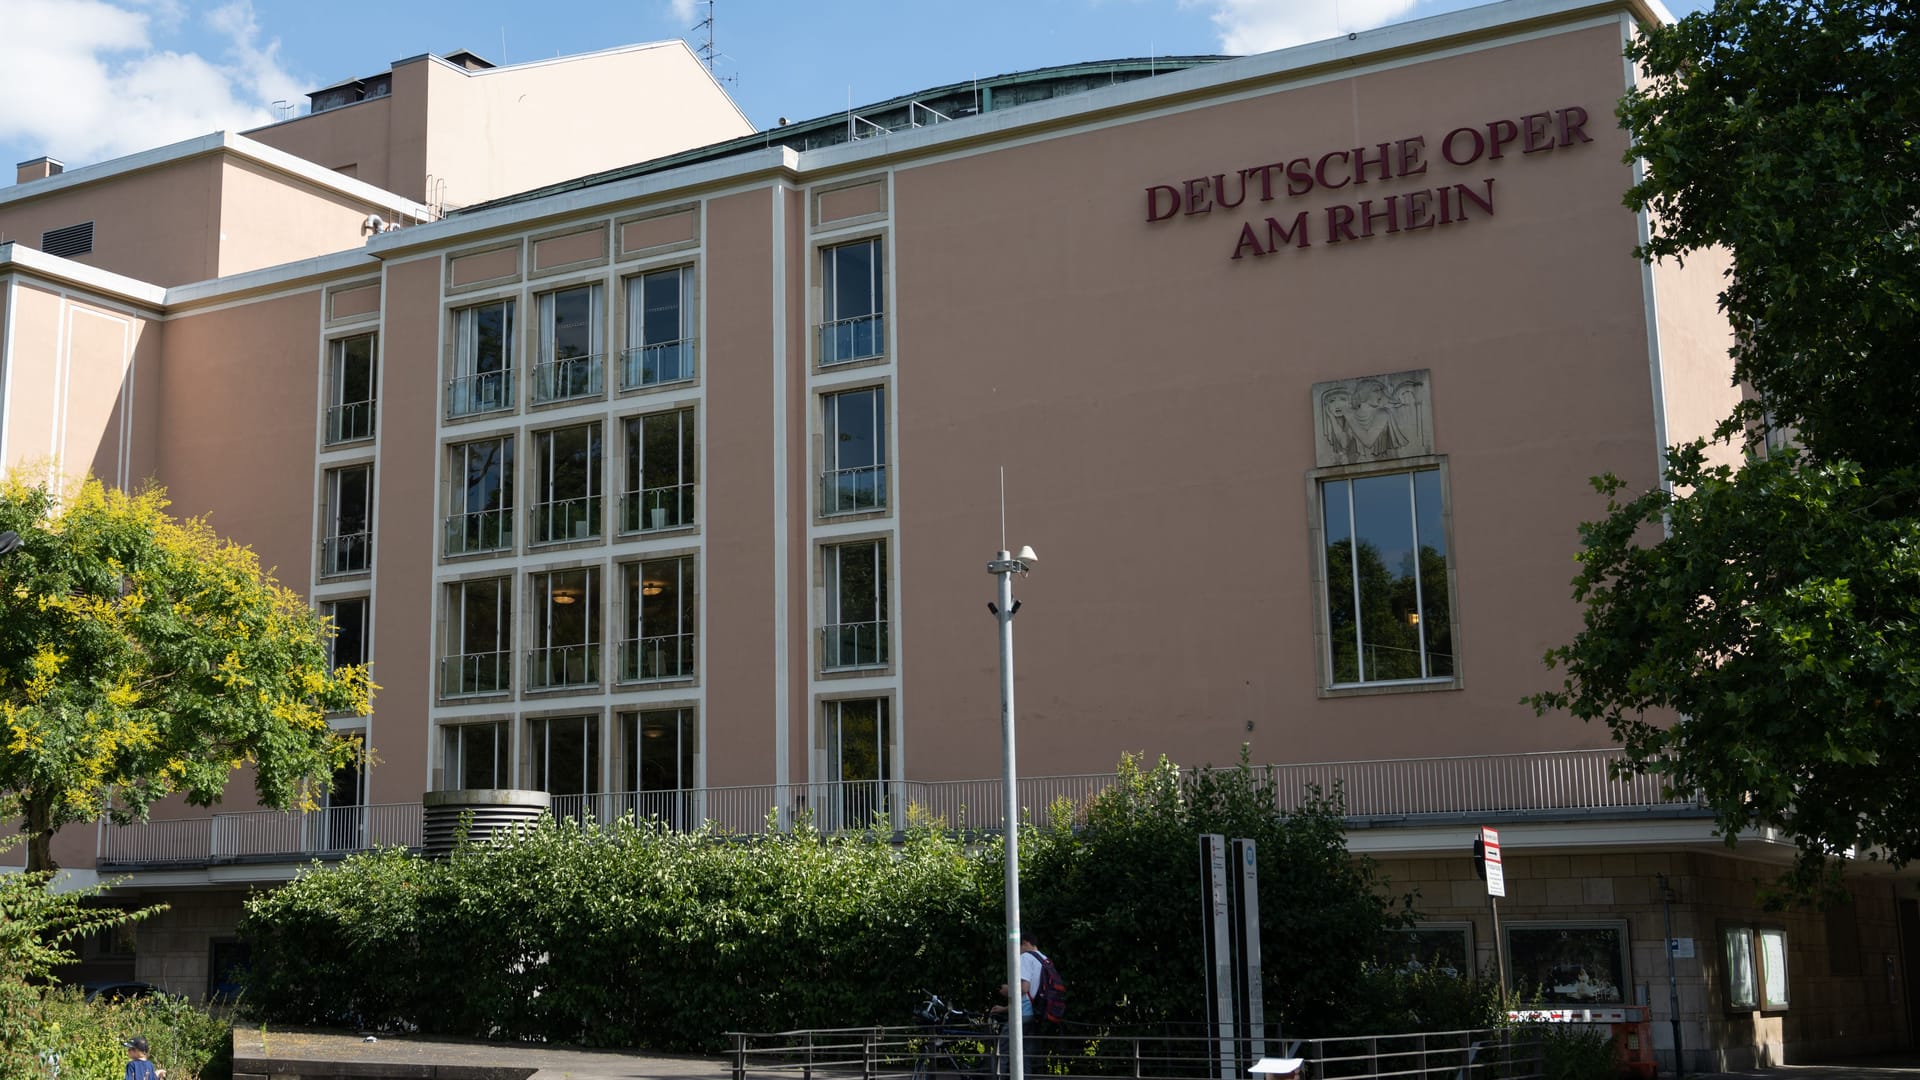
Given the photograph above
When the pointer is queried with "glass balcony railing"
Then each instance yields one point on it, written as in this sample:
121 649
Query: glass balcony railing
668 656
859 338
567 379
853 645
486 391
653 509
658 365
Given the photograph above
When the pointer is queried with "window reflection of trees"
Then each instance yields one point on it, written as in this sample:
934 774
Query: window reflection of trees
1387 622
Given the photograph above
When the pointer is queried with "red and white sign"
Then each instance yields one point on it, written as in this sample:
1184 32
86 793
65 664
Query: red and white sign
1496 874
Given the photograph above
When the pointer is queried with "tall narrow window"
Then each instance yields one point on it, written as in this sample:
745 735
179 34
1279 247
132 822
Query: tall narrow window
565 754
660 471
479 656
475 756
350 381
857 762
481 515
661 769
660 338
854 476
570 362
341 823
658 642
853 322
566 630
482 379
347 547
854 630
348 646
566 484
1389 616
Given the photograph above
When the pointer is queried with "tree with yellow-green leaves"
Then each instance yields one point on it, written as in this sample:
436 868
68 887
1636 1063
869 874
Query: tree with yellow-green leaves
143 656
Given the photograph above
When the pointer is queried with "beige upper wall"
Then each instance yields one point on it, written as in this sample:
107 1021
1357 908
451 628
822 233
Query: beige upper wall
160 225
446 134
1151 401
1694 342
80 386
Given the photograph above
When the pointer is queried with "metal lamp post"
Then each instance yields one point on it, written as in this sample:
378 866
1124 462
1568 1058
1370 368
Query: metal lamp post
1004 566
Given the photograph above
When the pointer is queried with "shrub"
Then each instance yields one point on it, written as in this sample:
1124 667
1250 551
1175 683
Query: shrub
185 1040
1577 1052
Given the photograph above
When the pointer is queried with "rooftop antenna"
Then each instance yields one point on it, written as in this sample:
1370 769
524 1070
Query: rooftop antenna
1003 507
707 53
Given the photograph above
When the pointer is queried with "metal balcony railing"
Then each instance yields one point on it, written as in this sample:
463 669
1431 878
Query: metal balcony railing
346 553
486 391
566 519
668 656
849 491
476 673
563 666
651 509
658 364
1563 781
860 338
853 645
567 378
349 422
482 530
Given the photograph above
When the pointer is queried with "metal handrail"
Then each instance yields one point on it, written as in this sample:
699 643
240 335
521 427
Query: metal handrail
567 377
861 337
563 665
848 491
349 421
465 674
658 364
665 656
563 519
481 530
481 392
346 553
853 645
650 509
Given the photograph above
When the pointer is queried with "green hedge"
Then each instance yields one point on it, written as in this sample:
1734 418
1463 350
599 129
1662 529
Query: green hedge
647 938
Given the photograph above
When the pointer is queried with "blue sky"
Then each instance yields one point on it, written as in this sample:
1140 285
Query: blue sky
87 80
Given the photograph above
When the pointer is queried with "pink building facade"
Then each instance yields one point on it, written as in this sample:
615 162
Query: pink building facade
669 489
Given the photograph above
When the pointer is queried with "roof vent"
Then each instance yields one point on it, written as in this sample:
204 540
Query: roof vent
37 169
68 242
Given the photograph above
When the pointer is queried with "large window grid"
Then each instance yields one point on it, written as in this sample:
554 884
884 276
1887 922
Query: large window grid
347 545
658 639
566 631
474 756
567 476
856 740
350 389
853 323
481 515
1388 610
660 471
853 632
570 364
482 379
564 755
853 474
479 657
661 343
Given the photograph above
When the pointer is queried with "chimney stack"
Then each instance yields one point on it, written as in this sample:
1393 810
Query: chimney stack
38 169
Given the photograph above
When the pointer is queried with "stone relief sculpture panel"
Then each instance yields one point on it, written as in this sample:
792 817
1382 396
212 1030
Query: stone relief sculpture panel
1372 418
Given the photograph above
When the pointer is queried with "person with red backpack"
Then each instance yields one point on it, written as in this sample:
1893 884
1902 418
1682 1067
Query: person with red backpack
1043 997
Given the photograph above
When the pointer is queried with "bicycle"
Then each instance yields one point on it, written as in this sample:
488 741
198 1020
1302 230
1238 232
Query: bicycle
956 1043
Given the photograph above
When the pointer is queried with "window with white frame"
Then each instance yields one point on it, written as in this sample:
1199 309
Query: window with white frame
482 378
474 756
480 514
350 384
564 755
662 765
479 635
566 630
853 323
853 631
566 475
660 471
1389 616
348 646
856 744
571 364
854 467
347 546
661 343
658 639
1756 968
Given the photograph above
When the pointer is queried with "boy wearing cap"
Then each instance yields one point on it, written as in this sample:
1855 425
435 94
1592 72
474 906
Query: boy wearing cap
138 1067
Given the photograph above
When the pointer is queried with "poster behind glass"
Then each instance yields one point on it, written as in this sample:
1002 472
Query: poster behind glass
1571 965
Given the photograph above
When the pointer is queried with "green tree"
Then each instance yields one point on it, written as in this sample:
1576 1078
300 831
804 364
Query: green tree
142 656
1772 604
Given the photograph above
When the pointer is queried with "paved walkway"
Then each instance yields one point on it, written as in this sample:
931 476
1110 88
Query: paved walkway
322 1055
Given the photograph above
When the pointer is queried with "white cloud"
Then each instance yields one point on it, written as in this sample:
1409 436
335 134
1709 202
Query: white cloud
1253 26
87 80
683 10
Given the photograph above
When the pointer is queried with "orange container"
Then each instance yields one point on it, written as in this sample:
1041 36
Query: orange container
1633 1045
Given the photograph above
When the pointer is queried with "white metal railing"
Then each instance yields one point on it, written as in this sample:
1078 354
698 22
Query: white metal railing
349 422
667 656
858 338
563 665
476 673
482 530
655 508
346 553
485 391
848 491
658 364
1572 780
566 519
853 645
566 378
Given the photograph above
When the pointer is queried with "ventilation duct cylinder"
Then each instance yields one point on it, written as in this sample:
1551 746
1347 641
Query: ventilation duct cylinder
493 810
